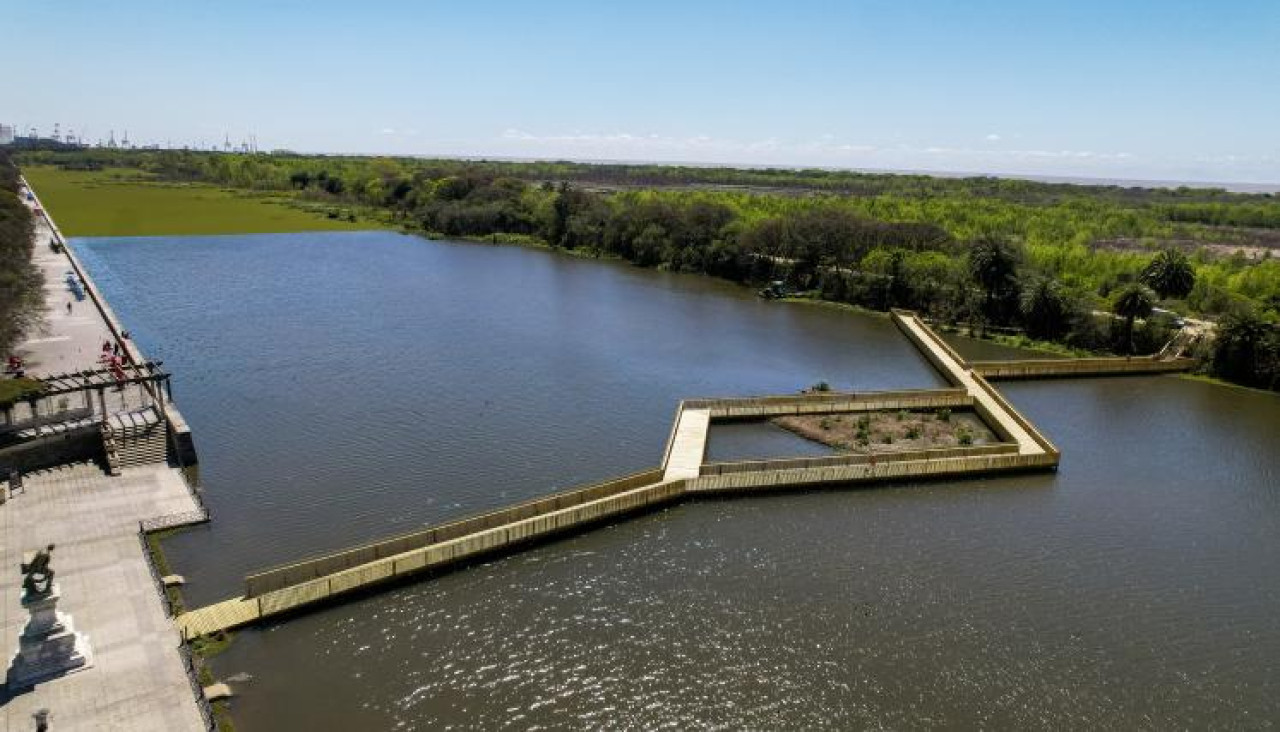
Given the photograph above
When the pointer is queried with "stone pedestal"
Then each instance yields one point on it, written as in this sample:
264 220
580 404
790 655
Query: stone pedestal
49 645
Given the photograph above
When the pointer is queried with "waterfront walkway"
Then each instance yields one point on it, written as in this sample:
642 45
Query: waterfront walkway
138 680
70 340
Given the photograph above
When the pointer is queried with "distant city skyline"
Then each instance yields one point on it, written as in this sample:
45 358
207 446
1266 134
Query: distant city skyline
1172 91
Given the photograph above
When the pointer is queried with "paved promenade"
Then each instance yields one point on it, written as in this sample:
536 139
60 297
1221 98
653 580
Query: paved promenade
69 341
138 680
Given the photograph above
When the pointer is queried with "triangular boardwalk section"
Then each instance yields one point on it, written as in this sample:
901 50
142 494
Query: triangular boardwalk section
682 474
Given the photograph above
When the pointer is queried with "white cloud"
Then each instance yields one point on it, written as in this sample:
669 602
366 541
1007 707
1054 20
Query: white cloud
993 137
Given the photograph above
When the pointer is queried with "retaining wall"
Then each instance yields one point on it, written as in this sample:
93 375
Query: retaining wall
51 450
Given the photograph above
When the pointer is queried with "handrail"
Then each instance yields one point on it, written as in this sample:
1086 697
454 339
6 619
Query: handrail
1016 415
750 466
818 398
300 571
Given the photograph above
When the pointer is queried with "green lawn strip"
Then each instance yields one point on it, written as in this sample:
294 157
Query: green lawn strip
125 202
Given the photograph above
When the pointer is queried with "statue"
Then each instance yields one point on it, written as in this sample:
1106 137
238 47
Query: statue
37 574
48 645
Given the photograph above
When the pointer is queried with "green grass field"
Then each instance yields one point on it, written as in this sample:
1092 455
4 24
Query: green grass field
124 202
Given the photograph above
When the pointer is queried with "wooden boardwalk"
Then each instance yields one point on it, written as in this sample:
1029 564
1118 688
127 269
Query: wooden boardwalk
1057 368
688 444
682 474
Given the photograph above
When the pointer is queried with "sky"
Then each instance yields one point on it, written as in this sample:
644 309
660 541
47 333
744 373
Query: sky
1125 89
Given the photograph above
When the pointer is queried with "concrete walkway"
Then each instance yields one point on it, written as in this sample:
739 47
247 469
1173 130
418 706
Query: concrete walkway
138 680
68 341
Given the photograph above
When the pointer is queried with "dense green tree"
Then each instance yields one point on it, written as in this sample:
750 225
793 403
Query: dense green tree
1247 350
21 284
1134 300
1170 274
875 240
1046 309
993 264
333 185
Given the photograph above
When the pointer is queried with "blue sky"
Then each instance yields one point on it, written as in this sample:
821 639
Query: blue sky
1170 90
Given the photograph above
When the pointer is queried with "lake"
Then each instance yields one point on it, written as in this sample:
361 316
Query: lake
347 386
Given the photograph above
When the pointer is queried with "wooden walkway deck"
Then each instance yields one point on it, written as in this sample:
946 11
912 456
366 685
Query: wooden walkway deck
1057 368
681 475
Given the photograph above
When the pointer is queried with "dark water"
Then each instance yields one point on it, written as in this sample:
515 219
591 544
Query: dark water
352 385
759 441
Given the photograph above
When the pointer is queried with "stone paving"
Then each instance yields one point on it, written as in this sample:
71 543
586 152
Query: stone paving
137 681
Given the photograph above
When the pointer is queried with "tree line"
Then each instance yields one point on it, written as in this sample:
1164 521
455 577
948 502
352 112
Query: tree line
21 284
999 255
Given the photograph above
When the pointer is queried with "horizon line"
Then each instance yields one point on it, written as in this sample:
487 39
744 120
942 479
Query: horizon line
1255 187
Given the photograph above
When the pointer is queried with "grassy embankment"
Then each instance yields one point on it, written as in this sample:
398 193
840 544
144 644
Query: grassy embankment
126 202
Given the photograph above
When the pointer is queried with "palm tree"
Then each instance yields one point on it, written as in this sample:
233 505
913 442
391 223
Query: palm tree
1046 309
1170 273
1134 300
993 263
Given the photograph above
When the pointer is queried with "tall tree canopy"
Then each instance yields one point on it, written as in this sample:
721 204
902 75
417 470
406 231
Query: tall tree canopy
993 264
21 284
1170 274
1133 301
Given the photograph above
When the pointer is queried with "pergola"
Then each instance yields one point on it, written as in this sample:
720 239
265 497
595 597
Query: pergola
153 387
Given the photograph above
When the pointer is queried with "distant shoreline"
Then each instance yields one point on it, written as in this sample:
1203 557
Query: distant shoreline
1232 187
